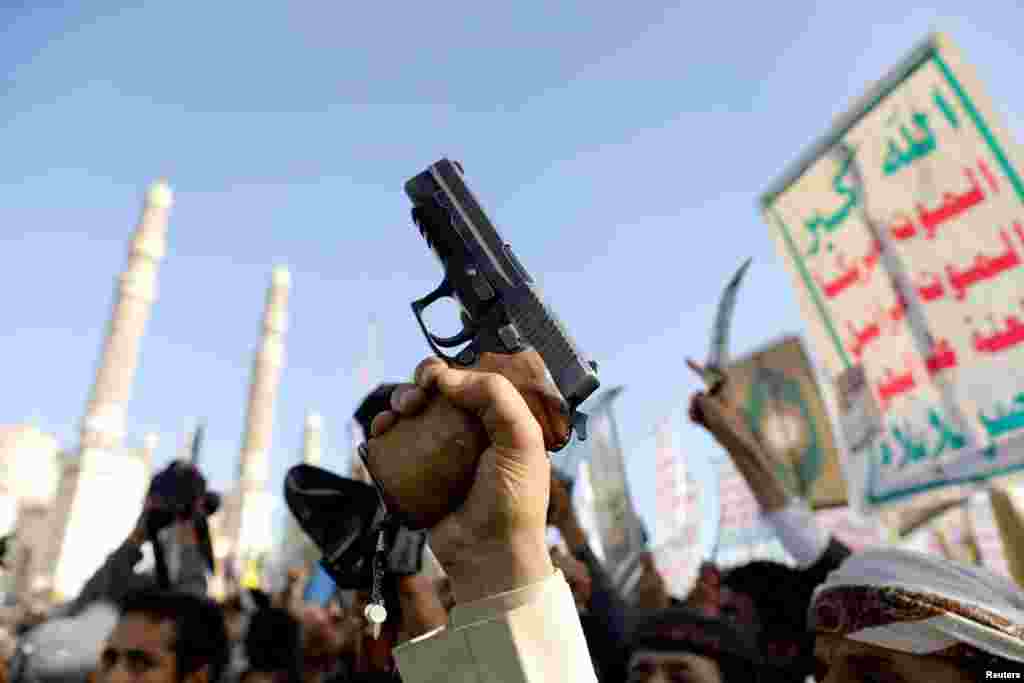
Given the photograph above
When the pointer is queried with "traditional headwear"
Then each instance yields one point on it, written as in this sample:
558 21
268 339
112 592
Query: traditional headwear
64 650
679 629
920 604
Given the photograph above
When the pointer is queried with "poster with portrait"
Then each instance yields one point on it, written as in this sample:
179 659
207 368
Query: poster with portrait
777 391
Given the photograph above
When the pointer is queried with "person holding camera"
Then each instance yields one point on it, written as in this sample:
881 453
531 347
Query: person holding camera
117 577
69 642
177 499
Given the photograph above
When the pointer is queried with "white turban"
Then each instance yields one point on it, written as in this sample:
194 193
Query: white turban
920 604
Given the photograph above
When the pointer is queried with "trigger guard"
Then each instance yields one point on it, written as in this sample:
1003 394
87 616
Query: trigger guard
449 342
468 334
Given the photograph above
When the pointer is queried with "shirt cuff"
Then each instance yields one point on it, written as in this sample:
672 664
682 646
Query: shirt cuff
496 605
488 608
530 634
799 531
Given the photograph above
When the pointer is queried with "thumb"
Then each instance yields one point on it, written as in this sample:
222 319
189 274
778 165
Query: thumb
491 397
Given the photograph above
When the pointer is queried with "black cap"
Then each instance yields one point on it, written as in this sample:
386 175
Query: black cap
679 629
376 402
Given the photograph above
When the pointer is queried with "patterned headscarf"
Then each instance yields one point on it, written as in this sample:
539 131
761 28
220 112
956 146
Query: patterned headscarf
920 604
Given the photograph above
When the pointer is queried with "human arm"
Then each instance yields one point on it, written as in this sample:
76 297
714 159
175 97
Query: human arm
116 577
511 604
798 530
192 571
420 605
724 421
605 602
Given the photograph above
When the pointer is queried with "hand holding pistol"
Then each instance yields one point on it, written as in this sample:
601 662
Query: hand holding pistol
425 465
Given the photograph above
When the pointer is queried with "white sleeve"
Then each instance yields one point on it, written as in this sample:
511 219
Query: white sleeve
799 532
529 635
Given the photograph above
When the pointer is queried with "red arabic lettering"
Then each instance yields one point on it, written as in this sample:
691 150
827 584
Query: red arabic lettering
843 282
861 339
871 259
930 291
943 357
952 205
1001 340
905 230
991 179
898 309
894 385
984 267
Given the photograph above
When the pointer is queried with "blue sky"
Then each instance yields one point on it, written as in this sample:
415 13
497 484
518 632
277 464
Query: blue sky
621 147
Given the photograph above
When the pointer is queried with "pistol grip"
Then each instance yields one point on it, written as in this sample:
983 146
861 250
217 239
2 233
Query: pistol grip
426 464
526 371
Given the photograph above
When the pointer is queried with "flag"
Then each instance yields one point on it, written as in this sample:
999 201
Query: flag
252 577
618 523
678 508
320 587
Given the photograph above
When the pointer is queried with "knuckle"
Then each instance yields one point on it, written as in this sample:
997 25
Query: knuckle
494 384
425 366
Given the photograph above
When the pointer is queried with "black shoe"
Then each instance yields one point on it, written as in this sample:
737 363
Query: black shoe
341 517
344 519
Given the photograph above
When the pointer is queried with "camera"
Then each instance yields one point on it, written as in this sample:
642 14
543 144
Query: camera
178 492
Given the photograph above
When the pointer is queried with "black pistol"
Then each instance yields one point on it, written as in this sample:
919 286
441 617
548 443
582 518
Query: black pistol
501 307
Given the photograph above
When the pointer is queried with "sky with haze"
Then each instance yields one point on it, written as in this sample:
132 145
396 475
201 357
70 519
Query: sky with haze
621 148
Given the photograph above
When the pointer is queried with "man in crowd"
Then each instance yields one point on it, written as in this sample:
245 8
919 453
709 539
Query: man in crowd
654 639
604 615
67 643
117 576
780 595
684 646
513 598
165 637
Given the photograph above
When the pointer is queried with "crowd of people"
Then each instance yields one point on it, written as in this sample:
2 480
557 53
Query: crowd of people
494 602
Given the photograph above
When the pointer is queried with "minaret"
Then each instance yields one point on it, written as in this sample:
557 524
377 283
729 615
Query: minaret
298 549
367 378
254 533
91 522
188 434
103 426
312 440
